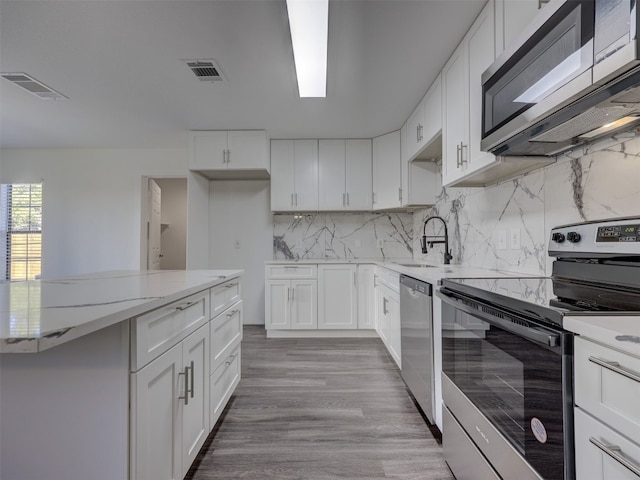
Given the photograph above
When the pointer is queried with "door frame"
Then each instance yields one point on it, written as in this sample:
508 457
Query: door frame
145 210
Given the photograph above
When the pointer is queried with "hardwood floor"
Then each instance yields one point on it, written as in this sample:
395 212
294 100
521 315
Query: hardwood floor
319 409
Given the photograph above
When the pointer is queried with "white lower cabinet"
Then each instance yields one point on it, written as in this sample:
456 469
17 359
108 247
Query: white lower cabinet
366 297
291 304
388 311
171 409
337 297
607 415
177 395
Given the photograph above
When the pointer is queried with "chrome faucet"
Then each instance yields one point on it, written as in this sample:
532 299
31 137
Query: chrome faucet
430 240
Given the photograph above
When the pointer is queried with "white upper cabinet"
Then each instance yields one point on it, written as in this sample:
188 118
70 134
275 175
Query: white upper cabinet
387 173
462 96
512 17
425 124
294 175
241 154
359 174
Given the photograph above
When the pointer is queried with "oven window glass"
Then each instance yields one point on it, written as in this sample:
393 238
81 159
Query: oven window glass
560 51
515 383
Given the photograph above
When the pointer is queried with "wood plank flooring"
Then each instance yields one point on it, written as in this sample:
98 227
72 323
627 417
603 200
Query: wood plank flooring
319 409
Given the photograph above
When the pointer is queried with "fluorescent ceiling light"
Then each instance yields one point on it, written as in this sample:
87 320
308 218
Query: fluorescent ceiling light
309 24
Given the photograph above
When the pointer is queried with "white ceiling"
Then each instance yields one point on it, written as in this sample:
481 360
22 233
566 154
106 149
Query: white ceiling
121 65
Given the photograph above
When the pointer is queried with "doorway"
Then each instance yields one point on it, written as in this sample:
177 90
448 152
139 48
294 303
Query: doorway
164 223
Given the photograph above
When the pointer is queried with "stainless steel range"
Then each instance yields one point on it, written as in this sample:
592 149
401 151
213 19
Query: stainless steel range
507 361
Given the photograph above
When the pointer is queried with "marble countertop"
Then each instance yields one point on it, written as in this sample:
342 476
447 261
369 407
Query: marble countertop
426 272
621 332
39 314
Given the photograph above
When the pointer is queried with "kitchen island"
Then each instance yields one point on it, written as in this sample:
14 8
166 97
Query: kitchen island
115 375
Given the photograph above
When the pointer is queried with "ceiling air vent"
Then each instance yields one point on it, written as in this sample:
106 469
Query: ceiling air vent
206 70
32 86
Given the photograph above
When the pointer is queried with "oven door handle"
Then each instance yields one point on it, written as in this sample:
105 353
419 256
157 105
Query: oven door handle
537 335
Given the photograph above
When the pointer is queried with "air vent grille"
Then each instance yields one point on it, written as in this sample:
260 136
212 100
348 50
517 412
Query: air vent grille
32 86
206 70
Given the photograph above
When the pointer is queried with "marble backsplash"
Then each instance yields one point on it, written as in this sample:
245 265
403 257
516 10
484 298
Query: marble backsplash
598 182
343 236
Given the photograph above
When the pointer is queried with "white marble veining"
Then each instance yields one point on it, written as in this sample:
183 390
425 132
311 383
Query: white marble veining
596 182
39 314
342 236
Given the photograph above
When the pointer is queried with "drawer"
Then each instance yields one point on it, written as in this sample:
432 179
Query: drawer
223 296
607 385
156 332
605 461
226 333
223 382
291 271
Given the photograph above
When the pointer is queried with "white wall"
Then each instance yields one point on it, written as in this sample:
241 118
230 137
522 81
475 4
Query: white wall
241 233
92 202
173 238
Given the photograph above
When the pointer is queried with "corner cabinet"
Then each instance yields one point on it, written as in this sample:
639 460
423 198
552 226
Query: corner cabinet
387 172
294 175
237 154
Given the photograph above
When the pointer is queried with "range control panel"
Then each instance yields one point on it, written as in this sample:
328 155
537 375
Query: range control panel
619 233
603 238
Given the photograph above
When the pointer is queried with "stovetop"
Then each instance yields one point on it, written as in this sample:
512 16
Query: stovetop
548 299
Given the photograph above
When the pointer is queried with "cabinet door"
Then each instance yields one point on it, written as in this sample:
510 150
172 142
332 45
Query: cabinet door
394 334
207 150
304 304
359 172
387 171
481 53
512 17
195 411
306 175
337 297
415 128
366 297
432 105
277 304
455 82
331 174
282 175
157 418
247 149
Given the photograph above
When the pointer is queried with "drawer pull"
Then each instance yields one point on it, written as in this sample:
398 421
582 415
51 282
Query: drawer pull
184 306
231 285
614 452
231 359
232 313
615 367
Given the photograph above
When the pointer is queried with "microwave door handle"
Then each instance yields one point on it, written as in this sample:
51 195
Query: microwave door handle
533 334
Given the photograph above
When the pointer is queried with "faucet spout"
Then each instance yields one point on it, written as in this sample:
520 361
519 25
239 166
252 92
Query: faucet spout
433 239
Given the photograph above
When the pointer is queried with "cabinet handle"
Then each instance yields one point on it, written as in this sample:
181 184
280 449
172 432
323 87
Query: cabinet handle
288 294
354 279
344 199
296 197
400 194
231 285
231 359
184 306
373 198
613 452
292 199
418 133
462 157
186 384
232 313
228 156
384 305
459 155
615 367
193 383
348 203
420 129
293 294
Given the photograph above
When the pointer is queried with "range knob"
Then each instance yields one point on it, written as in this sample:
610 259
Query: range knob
573 237
557 237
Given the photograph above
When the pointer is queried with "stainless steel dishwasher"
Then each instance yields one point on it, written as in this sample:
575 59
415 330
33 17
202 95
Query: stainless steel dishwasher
416 325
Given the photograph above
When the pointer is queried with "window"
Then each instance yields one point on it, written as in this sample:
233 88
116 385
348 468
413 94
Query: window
21 227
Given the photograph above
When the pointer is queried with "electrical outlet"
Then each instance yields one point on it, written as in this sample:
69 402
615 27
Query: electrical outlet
502 239
514 239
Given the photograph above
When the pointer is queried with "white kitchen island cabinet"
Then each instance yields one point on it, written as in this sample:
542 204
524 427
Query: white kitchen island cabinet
106 376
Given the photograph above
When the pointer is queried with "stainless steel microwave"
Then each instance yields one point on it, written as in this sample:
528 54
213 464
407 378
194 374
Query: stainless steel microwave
572 76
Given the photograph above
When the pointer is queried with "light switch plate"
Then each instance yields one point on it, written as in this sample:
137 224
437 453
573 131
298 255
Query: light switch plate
514 239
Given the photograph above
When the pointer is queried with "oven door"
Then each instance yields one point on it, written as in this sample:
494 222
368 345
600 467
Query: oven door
517 373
